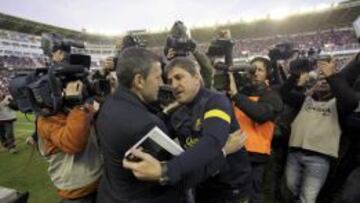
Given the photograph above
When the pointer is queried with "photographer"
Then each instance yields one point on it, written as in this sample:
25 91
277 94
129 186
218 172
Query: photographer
309 156
7 115
108 66
280 58
179 43
67 141
256 107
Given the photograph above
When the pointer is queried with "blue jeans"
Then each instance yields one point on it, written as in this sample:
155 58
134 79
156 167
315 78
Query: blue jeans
306 173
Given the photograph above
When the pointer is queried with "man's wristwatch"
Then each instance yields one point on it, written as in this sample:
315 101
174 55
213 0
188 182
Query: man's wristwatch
164 179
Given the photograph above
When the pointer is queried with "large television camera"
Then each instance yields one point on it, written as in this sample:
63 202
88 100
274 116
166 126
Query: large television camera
282 51
42 90
242 72
129 40
179 40
222 47
220 52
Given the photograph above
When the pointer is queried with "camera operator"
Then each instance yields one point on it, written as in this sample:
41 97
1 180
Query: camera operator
256 107
179 43
7 115
68 143
313 147
108 66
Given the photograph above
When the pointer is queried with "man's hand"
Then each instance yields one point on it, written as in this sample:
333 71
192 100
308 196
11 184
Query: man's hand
109 64
74 88
233 89
148 168
171 54
303 79
235 142
30 141
327 68
6 100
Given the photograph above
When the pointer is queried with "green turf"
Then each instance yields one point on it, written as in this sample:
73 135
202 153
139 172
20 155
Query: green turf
26 170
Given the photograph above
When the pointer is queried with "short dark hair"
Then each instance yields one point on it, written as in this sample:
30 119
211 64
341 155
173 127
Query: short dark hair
182 62
132 61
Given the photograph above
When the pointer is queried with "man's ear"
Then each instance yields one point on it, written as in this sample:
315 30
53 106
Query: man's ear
138 81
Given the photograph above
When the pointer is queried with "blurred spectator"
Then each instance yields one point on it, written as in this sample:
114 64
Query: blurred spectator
7 115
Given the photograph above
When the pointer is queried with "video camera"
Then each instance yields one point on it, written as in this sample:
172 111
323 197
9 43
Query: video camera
222 47
179 40
42 90
50 42
282 51
127 41
242 73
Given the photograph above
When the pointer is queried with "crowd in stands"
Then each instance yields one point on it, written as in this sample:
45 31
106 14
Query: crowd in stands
21 62
20 37
327 41
331 40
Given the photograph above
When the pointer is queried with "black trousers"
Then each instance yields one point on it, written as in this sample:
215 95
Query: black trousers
257 182
206 195
7 134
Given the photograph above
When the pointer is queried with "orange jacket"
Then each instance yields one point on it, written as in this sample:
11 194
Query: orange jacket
69 134
259 135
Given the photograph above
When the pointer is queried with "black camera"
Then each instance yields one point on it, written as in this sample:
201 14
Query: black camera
50 42
242 72
282 51
300 65
220 47
129 40
179 41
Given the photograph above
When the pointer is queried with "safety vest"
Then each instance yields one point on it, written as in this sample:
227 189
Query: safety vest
259 136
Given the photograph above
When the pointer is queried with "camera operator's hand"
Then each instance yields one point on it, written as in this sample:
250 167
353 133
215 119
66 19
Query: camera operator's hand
232 89
74 88
6 100
109 64
327 68
303 79
171 54
235 142
30 141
